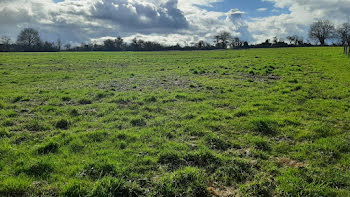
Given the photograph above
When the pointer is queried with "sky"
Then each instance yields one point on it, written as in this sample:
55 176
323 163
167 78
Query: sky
166 21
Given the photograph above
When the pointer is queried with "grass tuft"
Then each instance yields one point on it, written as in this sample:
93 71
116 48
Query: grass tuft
189 182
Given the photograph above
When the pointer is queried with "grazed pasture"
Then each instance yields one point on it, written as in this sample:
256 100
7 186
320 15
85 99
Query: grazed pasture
258 122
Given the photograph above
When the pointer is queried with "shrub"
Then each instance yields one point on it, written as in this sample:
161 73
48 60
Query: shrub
186 182
264 126
50 147
110 187
62 124
75 188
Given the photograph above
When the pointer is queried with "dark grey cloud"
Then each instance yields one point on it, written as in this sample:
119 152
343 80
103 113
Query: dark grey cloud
140 17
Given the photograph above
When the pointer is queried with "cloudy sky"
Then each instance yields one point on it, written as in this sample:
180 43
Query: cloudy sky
166 21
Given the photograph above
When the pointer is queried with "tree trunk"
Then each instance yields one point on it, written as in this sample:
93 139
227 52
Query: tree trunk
322 41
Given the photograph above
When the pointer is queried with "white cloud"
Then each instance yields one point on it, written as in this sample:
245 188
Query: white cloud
261 9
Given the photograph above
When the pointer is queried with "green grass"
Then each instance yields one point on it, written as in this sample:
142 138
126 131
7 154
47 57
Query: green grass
262 122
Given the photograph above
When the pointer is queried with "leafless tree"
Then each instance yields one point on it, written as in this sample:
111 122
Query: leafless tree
295 39
59 44
222 39
343 33
29 38
236 42
5 40
321 31
67 46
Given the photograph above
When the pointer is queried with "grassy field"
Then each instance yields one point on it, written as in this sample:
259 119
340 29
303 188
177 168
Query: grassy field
264 122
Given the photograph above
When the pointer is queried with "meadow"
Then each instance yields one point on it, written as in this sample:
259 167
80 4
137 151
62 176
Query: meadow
260 122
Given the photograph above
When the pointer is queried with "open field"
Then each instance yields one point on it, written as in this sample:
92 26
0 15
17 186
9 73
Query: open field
265 122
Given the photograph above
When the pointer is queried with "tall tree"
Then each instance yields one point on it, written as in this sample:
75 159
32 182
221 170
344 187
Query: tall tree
109 45
222 39
59 44
321 31
6 42
119 42
29 38
343 33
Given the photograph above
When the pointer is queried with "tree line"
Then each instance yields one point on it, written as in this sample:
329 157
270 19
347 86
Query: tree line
319 31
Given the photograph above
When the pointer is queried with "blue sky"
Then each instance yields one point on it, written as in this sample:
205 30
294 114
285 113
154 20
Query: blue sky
250 7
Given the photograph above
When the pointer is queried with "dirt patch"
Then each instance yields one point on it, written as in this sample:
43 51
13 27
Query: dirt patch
223 191
284 161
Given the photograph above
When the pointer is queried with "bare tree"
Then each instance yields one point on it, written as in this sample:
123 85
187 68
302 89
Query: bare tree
222 39
119 43
321 31
67 46
6 42
295 40
59 44
236 42
343 33
29 38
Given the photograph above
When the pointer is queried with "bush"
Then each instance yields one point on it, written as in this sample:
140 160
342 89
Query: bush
62 124
110 187
187 182
75 188
51 147
264 126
